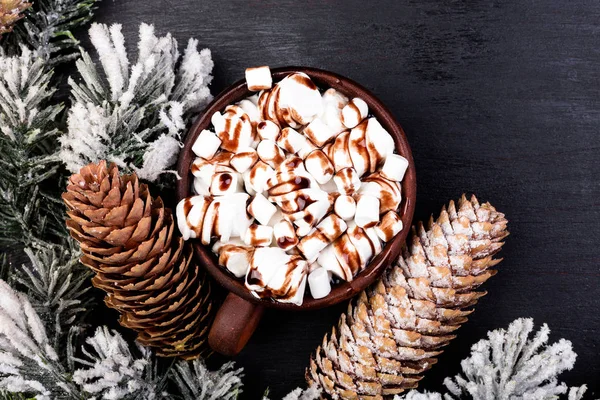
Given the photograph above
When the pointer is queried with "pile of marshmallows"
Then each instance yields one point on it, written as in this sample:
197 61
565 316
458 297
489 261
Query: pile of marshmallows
293 185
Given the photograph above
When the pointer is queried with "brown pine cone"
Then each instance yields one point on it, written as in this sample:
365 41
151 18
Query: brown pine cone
394 330
127 239
10 13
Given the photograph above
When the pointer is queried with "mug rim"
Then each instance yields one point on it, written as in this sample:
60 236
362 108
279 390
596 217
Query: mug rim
392 249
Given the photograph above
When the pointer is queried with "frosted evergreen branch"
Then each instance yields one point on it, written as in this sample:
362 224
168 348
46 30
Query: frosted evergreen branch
58 286
29 211
134 113
511 365
47 28
111 370
195 382
312 393
28 362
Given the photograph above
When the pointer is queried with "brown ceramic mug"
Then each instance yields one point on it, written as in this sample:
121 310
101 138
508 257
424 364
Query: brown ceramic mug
239 315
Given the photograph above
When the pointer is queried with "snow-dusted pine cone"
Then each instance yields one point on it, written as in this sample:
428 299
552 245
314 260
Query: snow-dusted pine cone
128 238
10 12
394 330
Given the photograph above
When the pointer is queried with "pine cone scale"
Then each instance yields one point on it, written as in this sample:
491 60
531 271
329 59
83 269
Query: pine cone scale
127 238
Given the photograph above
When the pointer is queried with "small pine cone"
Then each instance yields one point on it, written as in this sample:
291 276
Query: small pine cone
394 330
10 13
127 238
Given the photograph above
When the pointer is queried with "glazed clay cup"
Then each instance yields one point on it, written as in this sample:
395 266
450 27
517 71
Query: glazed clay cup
239 315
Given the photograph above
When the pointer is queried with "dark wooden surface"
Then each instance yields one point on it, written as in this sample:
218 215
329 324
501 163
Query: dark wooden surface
499 98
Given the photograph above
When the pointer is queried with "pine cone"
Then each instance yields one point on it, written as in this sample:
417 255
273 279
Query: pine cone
10 12
394 330
127 239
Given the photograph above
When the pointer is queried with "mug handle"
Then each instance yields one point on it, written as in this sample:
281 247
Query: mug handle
234 324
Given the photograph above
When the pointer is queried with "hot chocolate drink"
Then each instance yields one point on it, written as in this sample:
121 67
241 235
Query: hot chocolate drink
294 184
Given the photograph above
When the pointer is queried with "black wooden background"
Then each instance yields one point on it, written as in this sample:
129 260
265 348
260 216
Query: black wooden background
498 98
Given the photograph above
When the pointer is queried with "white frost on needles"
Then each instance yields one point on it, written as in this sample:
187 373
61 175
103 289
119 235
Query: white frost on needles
113 372
195 382
509 366
24 345
24 91
135 114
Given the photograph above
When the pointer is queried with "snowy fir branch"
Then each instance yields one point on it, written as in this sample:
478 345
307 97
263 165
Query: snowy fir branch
509 365
57 285
28 362
112 371
48 29
312 393
29 207
194 381
134 113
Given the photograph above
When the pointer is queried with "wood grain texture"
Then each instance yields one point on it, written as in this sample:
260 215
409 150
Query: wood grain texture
498 98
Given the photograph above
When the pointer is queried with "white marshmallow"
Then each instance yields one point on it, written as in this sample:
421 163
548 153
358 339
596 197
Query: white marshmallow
347 255
258 235
235 241
387 191
265 263
328 261
243 160
377 244
234 128
267 130
270 153
189 225
389 226
332 117
291 141
251 109
307 148
203 169
335 98
259 78
333 103
394 167
325 233
257 177
200 187
318 283
261 209
306 219
218 121
287 172
210 223
318 132
206 145
362 242
314 266
236 258
345 207
294 290
347 181
224 183
339 153
319 166
233 220
358 149
329 187
367 211
297 200
299 99
354 112
285 237
379 143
